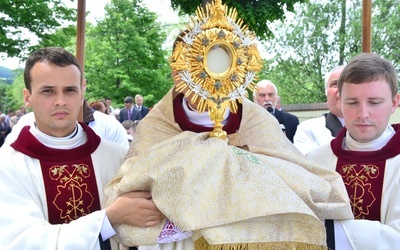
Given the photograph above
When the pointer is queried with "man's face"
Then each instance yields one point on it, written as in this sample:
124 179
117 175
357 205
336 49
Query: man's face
56 98
367 108
139 101
128 105
332 95
266 96
108 102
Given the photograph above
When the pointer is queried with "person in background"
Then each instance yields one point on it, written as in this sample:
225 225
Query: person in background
278 103
99 106
58 168
139 105
14 120
366 154
4 129
110 108
130 127
10 113
129 112
23 109
115 113
317 131
266 97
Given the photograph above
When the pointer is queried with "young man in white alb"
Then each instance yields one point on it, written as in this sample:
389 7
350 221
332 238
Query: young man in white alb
366 154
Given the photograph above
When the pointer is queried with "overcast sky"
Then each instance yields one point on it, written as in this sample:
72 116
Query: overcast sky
96 9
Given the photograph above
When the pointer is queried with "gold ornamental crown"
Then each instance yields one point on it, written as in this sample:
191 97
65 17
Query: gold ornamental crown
216 61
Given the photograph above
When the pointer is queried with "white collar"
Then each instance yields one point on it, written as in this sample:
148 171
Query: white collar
378 143
202 119
77 138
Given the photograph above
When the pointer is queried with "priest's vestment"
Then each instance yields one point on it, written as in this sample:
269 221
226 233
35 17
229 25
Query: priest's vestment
372 179
51 197
253 190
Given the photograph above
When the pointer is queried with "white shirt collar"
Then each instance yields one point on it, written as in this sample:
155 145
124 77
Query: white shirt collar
76 139
378 143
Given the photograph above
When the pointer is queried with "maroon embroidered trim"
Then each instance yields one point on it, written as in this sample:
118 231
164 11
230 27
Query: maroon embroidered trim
364 183
71 190
363 173
68 175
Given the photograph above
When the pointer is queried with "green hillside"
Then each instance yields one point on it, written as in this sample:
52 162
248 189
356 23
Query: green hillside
6 75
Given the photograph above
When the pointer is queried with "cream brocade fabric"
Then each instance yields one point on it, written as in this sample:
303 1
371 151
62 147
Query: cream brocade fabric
268 194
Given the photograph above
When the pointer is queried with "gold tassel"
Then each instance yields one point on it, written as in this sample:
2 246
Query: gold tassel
202 244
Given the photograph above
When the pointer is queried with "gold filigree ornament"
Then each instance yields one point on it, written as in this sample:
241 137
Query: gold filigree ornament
216 61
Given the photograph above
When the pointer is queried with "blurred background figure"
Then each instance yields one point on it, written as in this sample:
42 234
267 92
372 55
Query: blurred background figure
14 120
99 106
10 113
130 127
139 105
267 97
321 130
129 112
4 129
110 109
278 103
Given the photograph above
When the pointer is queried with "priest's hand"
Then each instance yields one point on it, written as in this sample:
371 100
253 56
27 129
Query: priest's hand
135 209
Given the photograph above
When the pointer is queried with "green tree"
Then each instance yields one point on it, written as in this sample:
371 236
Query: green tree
15 92
38 17
11 94
4 101
385 30
124 54
321 35
64 37
256 14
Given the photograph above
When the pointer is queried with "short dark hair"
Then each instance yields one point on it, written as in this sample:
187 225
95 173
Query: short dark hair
53 55
367 67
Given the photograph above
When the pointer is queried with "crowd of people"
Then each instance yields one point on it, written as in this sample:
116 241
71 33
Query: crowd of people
81 174
7 121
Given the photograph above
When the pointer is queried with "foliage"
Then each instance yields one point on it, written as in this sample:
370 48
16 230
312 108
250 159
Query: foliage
6 103
312 42
301 51
3 97
64 37
256 14
15 91
124 55
6 75
39 17
385 30
10 97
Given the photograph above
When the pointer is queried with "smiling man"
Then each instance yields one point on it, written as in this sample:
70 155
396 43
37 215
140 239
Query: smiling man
366 154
